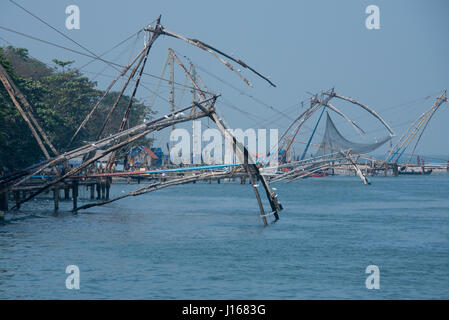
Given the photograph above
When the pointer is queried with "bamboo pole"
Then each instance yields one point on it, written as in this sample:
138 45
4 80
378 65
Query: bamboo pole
357 169
10 90
440 100
309 172
227 135
154 127
213 51
157 186
136 85
122 73
374 113
153 38
408 136
243 154
117 100
36 169
357 128
29 109
315 105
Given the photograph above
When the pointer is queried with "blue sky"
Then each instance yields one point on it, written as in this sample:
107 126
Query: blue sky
303 46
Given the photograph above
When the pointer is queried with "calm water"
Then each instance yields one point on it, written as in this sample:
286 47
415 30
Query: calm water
204 241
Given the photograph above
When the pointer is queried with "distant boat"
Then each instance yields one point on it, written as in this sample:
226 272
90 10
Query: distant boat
318 174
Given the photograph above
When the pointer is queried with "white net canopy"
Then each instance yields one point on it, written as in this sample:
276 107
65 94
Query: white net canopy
333 141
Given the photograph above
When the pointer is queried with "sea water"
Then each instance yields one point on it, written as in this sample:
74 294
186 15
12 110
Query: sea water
207 241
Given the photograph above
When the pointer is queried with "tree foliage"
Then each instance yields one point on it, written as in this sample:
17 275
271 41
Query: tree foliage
60 99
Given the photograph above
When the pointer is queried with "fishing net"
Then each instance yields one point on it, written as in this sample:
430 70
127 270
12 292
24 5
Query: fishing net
333 141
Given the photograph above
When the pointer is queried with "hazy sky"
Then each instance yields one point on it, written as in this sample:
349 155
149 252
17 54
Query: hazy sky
303 46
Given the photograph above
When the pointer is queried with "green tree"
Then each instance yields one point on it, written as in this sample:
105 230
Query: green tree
61 100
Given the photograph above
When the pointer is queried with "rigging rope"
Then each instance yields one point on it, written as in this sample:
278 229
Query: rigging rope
98 58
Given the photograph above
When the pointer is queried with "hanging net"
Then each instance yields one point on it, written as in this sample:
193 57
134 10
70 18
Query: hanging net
333 141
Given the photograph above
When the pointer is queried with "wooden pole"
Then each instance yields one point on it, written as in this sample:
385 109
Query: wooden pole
133 72
441 99
142 64
10 91
171 62
131 134
98 190
124 70
256 193
7 82
315 105
75 194
56 197
117 100
374 113
358 171
214 52
395 169
17 198
67 193
3 201
157 186
108 186
149 128
243 154
103 189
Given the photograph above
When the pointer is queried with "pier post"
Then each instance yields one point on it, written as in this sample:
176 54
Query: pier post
357 170
67 193
4 201
98 190
17 198
92 191
395 169
75 194
56 197
103 190
108 186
